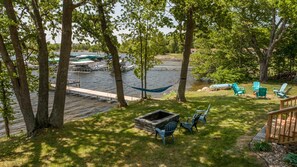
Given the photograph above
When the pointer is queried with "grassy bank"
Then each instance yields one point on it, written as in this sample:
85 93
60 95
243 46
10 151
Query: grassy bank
110 139
171 56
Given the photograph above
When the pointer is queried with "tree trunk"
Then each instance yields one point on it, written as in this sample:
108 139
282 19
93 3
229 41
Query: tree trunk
145 62
23 94
43 90
186 56
141 62
291 59
5 107
290 67
6 124
57 115
263 69
4 101
115 57
11 71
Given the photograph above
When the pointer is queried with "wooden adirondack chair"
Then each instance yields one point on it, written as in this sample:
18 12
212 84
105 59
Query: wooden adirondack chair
238 90
281 90
168 130
189 125
256 86
261 92
284 94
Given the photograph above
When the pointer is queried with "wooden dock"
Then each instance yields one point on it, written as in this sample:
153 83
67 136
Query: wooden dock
92 93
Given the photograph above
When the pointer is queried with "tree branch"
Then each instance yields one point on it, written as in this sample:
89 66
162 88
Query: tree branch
6 59
255 46
79 4
278 35
281 30
280 21
248 50
273 27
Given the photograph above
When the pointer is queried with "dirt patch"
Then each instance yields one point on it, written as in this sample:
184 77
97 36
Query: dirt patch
243 143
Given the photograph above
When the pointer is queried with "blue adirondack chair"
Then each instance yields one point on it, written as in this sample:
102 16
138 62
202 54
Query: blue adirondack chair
189 125
281 90
284 94
238 90
203 116
168 130
256 86
261 92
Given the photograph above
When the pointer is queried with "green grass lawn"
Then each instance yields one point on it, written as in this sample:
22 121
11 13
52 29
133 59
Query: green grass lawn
110 139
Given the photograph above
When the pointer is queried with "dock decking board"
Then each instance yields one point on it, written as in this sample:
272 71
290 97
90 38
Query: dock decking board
71 89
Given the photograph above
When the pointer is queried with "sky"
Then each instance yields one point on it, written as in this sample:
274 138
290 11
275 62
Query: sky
117 12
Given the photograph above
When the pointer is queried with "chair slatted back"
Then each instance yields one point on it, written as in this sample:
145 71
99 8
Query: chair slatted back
256 85
170 128
283 87
262 91
206 112
236 88
195 119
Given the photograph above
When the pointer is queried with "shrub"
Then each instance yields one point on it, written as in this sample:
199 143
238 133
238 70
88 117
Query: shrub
262 146
227 75
291 158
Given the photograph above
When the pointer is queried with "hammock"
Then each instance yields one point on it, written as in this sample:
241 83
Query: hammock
157 90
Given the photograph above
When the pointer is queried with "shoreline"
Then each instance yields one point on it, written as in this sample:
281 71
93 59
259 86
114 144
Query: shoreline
78 106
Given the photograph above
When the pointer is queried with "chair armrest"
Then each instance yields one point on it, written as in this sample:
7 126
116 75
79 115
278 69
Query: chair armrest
157 130
282 95
200 111
242 89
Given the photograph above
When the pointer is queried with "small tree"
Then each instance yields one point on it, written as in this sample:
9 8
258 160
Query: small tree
96 21
57 115
193 16
142 19
5 99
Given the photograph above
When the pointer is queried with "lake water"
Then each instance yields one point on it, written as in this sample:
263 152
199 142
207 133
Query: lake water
156 78
78 107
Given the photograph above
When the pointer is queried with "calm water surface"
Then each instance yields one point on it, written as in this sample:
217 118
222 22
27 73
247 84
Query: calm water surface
104 80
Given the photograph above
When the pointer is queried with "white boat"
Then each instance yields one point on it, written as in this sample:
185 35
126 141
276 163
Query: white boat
80 63
128 68
82 56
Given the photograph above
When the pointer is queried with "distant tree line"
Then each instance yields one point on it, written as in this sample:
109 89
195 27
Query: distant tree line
168 43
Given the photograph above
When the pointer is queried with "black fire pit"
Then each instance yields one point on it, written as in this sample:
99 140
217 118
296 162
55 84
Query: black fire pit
156 119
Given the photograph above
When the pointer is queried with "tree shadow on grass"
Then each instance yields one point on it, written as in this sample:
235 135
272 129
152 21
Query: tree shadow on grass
110 139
